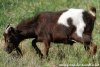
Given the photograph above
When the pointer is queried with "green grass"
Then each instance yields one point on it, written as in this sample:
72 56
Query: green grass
13 11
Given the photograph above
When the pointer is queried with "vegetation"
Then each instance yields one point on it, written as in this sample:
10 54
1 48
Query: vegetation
13 11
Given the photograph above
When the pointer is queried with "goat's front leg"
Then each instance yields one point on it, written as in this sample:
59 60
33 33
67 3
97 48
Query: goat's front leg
19 52
36 48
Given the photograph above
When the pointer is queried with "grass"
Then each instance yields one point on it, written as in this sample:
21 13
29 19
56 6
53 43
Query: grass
13 11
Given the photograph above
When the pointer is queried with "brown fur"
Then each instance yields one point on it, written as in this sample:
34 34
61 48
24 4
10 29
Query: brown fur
44 28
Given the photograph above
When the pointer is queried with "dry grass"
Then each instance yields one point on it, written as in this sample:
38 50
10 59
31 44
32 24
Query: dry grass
13 11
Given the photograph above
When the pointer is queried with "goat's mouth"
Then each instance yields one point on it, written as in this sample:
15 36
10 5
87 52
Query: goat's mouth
9 50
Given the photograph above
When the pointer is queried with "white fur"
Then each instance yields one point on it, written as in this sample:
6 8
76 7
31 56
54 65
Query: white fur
7 29
77 20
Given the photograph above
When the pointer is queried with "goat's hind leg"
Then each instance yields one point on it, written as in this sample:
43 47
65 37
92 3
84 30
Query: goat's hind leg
88 45
93 48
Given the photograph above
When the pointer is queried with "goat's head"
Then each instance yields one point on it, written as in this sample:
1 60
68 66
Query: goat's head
11 39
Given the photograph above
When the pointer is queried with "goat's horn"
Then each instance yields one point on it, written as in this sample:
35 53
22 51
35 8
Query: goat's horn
7 28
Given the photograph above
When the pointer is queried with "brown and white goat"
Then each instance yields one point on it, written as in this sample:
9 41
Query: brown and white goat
58 27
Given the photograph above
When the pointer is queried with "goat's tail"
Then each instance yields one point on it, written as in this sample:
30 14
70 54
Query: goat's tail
92 11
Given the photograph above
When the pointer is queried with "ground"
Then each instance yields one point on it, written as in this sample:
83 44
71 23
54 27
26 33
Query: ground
13 11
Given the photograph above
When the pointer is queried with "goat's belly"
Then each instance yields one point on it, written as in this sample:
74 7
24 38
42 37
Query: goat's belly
59 39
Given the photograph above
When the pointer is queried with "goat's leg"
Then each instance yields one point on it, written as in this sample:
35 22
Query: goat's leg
89 45
93 48
36 48
46 48
86 40
86 47
19 52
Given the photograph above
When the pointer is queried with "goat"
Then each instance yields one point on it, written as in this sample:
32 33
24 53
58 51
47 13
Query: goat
58 27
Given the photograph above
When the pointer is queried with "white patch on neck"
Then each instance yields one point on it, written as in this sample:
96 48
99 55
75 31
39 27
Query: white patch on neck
77 20
7 29
92 13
